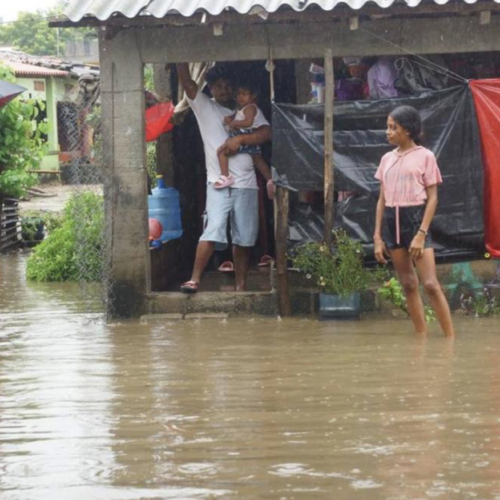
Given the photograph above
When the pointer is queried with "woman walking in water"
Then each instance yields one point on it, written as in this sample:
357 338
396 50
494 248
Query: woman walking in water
409 178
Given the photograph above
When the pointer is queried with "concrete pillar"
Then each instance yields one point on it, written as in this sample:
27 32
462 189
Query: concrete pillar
125 186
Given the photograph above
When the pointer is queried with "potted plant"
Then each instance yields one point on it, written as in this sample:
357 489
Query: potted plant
338 271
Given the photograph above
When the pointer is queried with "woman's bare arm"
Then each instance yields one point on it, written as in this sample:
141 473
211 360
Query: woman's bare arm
380 250
418 243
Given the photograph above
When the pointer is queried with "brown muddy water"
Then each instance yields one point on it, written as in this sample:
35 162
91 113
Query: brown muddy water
239 409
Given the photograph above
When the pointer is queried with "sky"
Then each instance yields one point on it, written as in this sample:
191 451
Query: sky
10 8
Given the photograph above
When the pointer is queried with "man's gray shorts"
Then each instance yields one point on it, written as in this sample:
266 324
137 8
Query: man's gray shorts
241 206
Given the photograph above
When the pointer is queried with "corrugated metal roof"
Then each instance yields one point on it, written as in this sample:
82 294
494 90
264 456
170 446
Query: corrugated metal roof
104 9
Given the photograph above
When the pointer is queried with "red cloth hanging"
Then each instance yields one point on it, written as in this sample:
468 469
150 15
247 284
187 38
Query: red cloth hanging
486 94
158 120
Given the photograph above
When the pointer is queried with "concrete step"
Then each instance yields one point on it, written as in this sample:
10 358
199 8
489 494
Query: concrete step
203 303
216 281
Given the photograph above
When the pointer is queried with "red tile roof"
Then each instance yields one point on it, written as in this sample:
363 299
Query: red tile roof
21 69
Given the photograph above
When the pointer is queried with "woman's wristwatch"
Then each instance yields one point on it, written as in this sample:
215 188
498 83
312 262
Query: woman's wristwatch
422 231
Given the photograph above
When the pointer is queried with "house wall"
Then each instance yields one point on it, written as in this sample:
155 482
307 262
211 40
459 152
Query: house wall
55 90
123 53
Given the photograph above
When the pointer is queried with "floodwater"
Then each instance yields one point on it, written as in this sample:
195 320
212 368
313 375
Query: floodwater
240 409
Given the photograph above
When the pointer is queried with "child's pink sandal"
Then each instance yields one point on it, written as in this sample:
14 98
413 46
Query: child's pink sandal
224 182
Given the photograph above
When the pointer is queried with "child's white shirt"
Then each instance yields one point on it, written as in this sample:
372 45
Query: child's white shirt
258 121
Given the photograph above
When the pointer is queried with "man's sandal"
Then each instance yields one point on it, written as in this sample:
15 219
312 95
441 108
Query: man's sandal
265 261
189 287
224 182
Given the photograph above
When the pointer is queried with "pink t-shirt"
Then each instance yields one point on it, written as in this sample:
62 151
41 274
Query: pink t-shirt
405 176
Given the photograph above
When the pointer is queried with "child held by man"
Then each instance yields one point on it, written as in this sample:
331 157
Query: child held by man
246 120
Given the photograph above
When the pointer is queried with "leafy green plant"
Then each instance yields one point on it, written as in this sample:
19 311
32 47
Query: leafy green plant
481 304
52 220
151 162
392 291
339 270
32 228
73 250
34 222
21 145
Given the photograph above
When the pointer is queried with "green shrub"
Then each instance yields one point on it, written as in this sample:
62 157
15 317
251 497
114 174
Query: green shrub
21 144
483 303
73 249
151 162
339 270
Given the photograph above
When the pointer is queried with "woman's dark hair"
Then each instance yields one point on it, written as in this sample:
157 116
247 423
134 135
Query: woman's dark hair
409 119
216 73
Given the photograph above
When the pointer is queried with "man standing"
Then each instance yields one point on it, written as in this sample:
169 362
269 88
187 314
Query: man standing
238 202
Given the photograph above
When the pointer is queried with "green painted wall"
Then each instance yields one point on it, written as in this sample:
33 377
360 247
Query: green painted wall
55 90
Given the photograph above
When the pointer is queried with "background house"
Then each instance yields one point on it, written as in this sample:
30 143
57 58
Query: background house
52 81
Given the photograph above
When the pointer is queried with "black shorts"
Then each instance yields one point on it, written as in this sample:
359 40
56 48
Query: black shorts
410 220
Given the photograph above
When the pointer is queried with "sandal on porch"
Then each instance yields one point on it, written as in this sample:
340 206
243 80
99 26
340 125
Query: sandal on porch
224 182
226 267
265 261
189 287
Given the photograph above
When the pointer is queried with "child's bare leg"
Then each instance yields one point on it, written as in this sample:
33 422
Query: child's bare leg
223 162
406 273
261 165
426 268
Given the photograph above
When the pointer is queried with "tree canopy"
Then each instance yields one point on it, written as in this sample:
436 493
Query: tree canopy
31 33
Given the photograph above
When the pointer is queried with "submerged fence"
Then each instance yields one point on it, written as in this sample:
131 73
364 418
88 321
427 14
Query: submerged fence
79 125
10 225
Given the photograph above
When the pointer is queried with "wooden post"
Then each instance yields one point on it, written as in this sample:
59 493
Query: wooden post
270 62
281 205
328 146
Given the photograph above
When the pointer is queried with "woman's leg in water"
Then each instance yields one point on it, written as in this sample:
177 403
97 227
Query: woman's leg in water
406 272
426 269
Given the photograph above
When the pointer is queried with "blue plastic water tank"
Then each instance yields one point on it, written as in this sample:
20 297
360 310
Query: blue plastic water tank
163 205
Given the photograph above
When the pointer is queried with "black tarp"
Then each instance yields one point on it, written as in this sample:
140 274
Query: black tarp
450 131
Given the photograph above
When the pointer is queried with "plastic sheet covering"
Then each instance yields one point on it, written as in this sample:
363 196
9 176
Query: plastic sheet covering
451 132
158 120
487 100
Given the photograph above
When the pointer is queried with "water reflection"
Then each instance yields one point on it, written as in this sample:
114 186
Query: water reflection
240 408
